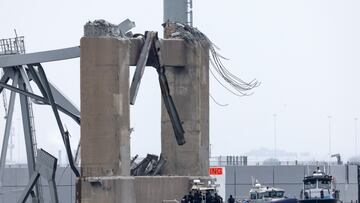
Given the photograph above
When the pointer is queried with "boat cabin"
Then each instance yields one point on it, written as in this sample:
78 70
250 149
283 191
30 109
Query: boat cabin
317 182
263 192
318 186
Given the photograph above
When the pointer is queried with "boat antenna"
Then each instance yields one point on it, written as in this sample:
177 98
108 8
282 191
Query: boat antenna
307 171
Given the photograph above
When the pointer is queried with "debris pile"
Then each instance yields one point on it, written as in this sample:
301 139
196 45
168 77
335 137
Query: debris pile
102 28
151 165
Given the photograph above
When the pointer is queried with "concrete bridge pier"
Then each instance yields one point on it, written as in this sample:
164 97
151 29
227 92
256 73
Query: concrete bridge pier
189 87
105 136
105 140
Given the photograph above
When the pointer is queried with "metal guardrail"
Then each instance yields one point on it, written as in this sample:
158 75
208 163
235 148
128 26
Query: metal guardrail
233 161
11 46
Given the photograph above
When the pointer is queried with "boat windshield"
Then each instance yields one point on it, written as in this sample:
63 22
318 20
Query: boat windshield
274 194
309 184
326 184
253 196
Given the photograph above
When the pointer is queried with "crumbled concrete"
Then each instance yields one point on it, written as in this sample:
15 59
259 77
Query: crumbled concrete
102 28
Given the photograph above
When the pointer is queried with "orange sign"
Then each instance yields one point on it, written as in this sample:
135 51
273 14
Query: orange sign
215 171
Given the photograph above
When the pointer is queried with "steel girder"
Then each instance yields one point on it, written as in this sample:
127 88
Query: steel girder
151 54
39 57
46 168
50 96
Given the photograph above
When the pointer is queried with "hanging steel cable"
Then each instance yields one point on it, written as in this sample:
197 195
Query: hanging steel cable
192 35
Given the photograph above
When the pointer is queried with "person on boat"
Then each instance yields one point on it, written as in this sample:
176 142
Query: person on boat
198 197
190 197
218 199
208 197
184 199
231 199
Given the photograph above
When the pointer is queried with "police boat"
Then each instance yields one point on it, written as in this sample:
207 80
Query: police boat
319 188
265 194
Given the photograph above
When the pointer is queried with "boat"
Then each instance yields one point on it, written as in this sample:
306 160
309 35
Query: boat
319 188
264 194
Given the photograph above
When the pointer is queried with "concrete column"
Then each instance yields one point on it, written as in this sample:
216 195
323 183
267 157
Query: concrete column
105 137
105 121
189 87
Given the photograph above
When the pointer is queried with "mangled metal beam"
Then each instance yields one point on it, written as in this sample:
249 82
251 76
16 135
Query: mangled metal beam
159 165
39 57
46 168
126 26
172 54
63 104
165 92
102 28
53 105
151 54
172 51
145 166
9 115
140 66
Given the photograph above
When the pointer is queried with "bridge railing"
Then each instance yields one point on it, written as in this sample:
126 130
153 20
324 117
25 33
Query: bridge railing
10 46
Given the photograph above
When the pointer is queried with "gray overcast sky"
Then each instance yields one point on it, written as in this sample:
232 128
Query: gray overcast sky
305 53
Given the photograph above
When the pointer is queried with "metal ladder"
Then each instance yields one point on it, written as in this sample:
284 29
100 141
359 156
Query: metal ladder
4 96
33 137
32 126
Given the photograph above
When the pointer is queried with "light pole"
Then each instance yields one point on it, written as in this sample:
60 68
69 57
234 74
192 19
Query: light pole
275 152
329 117
355 135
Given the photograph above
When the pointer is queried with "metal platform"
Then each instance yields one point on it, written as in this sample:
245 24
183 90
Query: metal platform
12 46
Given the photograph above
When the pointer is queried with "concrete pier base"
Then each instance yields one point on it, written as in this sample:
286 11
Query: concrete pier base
157 189
119 189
